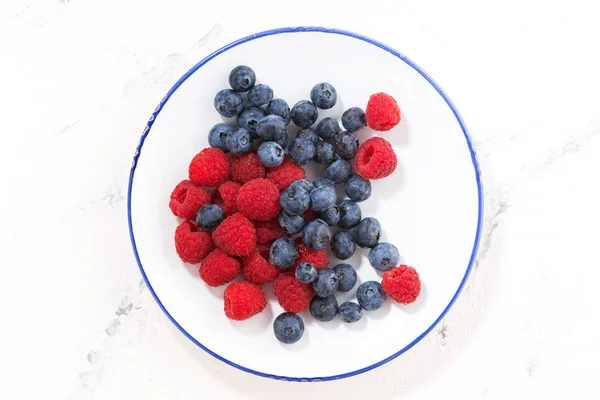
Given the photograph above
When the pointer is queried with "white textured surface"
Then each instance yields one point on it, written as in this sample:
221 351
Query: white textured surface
80 77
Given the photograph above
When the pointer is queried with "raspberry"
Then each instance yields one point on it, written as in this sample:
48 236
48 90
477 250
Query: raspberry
318 257
286 173
186 200
375 159
192 244
236 235
402 284
309 215
268 231
257 269
293 295
246 167
218 268
209 167
258 199
243 300
383 112
226 196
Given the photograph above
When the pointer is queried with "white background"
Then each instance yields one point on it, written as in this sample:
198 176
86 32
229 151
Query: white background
79 78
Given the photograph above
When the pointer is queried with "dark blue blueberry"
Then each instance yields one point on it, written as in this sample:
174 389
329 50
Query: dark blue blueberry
288 328
342 245
346 277
331 215
291 224
209 217
218 135
283 140
350 312
249 118
242 78
301 151
338 171
324 153
270 154
316 234
357 188
239 141
260 94
354 119
328 128
323 95
346 145
322 198
323 309
283 253
308 133
350 214
304 114
271 127
306 272
228 103
304 184
320 182
370 295
367 232
280 107
326 283
384 256
294 200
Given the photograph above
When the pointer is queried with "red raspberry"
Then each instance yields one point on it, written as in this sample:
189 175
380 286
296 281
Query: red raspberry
375 159
243 300
286 173
382 112
226 197
318 257
192 244
258 199
268 231
236 235
186 200
257 269
218 268
293 295
402 284
209 167
309 215
246 167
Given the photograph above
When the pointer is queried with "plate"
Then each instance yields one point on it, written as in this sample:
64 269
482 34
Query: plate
430 208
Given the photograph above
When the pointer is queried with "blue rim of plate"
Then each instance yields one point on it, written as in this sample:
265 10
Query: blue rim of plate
336 32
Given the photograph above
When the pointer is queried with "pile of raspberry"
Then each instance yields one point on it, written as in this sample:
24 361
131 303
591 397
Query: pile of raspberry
248 215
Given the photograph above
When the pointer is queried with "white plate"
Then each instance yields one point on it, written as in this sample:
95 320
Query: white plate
430 208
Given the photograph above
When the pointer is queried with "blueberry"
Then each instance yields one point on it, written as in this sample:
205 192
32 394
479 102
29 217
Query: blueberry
316 234
370 295
357 188
384 256
291 224
320 182
294 200
283 253
328 128
367 232
350 312
271 127
260 94
283 140
270 154
242 78
218 135
350 214
331 215
301 151
324 153
281 108
326 283
304 184
323 95
338 171
306 272
323 309
346 145
209 217
354 119
308 133
239 141
288 328
346 277
342 245
304 114
322 198
249 118
228 103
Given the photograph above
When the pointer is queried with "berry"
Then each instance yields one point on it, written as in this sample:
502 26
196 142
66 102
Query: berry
326 283
328 128
316 235
342 245
350 312
246 167
236 235
308 133
286 173
209 168
384 256
322 198
346 145
402 284
304 184
243 300
318 258
279 107
268 231
239 141
209 217
283 141
191 244
218 268
270 154
256 268
306 272
309 215
218 135
242 78
186 199
367 232
258 200
288 328
283 253
304 114
350 214
370 295
375 159
294 200
271 127
301 151
338 171
291 224
383 112
260 94
331 216
228 103
323 95
319 182
358 188
346 277
324 153
248 119
226 195
324 309
354 119
292 295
